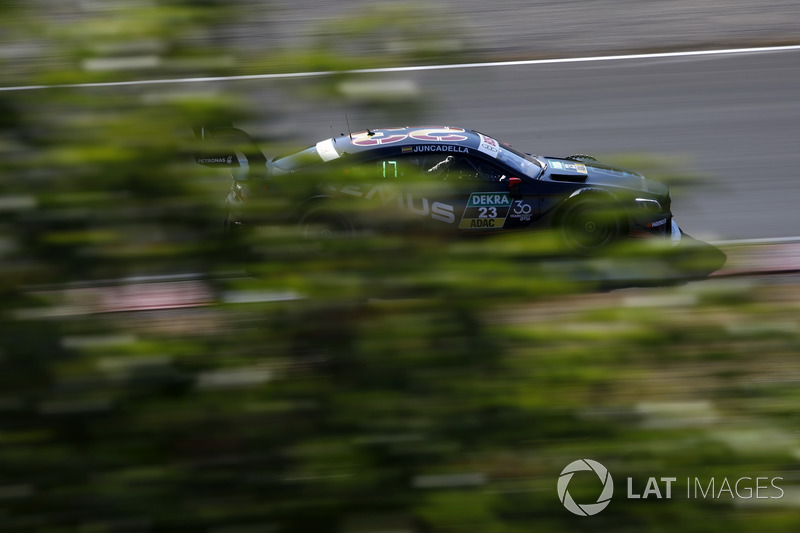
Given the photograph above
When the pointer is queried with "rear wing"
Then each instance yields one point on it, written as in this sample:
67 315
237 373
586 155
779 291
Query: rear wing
223 146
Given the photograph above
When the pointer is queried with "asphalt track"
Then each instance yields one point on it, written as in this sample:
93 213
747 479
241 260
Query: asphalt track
730 121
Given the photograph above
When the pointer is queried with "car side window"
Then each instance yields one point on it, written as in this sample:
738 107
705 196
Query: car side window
461 168
395 167
387 168
437 165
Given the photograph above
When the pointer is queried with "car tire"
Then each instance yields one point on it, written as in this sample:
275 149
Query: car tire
321 225
590 225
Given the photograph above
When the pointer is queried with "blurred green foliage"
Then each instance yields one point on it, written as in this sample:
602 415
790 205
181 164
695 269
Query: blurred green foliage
395 382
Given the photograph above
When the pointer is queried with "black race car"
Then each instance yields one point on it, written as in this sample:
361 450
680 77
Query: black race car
490 186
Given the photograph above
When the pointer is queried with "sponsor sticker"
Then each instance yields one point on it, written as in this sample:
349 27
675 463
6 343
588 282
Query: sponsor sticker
216 160
378 137
439 135
486 210
439 148
521 211
488 146
571 167
326 150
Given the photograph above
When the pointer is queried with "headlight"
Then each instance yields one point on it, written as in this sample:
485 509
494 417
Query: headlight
649 205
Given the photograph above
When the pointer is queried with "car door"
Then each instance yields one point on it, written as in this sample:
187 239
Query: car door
487 197
456 189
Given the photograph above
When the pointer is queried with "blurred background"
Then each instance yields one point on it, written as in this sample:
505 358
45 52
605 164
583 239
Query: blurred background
160 375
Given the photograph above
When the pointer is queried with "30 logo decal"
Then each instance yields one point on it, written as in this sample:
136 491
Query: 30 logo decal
522 209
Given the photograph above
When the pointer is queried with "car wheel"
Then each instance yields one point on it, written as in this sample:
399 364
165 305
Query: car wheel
326 226
588 226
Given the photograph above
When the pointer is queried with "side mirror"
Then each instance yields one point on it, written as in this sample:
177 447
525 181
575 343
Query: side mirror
514 185
219 146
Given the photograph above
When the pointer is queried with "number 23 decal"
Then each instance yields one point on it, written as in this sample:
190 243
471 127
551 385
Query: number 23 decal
487 212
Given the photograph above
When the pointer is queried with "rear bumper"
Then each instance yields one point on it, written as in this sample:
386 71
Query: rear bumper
675 233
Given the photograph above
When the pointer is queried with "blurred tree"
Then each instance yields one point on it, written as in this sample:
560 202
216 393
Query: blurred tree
404 383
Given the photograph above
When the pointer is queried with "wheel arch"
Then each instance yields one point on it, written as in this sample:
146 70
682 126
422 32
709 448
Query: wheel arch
314 203
316 208
586 196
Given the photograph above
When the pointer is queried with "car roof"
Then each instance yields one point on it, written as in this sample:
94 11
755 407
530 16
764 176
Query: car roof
408 135
408 139
371 140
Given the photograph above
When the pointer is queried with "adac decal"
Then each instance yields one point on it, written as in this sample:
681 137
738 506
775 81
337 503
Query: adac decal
572 167
486 210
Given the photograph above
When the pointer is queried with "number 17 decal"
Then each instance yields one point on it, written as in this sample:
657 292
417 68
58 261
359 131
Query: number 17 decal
391 166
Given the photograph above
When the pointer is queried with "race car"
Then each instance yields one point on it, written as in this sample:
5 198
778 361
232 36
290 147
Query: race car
490 187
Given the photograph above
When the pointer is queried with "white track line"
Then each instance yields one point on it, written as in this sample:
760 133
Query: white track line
418 68
744 242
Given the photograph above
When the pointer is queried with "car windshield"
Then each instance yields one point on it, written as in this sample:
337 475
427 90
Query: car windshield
309 156
525 164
